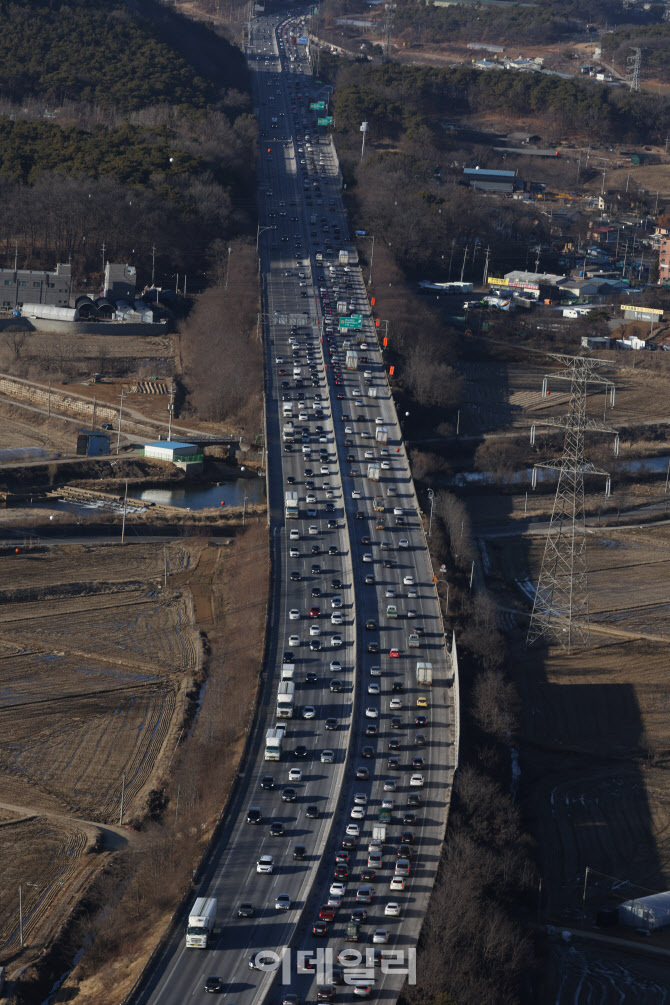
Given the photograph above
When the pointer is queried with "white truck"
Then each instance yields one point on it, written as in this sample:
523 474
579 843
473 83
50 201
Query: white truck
374 472
342 307
291 505
351 360
288 432
288 671
201 923
424 673
285 697
273 739
343 257
382 434
379 832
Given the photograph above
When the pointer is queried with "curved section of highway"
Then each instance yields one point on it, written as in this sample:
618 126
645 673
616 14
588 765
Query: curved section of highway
366 755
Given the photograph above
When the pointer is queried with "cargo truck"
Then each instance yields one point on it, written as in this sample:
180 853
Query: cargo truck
372 392
291 505
373 472
381 434
413 642
424 673
288 432
343 257
352 932
351 361
379 832
288 671
391 611
342 307
273 739
285 697
384 816
201 923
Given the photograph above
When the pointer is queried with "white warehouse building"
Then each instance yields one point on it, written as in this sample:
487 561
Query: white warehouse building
652 912
170 450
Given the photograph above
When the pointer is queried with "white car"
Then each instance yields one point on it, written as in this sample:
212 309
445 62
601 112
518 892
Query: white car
308 712
388 804
310 497
395 703
336 640
389 592
356 494
369 455
392 909
294 535
353 830
408 580
367 556
381 936
362 990
295 775
313 529
397 511
335 899
371 713
279 360
390 785
336 618
335 666
357 813
348 429
417 781
385 466
374 688
338 889
294 552
360 799
293 641
265 864
314 629
397 884
336 601
403 543
412 613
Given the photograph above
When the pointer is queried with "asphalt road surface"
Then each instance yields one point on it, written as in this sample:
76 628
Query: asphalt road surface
322 559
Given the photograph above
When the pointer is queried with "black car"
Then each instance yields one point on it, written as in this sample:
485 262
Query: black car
371 625
312 812
409 818
421 720
316 591
359 516
254 816
325 993
299 852
311 677
332 550
373 647
276 828
300 751
414 799
368 751
331 723
394 744
393 761
397 687
316 570
267 782
245 910
336 686
362 774
407 837
396 722
332 525
288 656
365 539
288 795
295 576
371 731
417 762
349 842
290 480
336 584
214 985
320 928
368 875
316 550
290 999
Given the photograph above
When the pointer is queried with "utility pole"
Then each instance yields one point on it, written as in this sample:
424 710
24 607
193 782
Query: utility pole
227 268
49 400
244 509
602 187
431 496
118 435
170 411
93 410
465 255
486 268
16 256
165 565
123 522
21 915
153 264
537 260
451 256
364 129
123 792
103 268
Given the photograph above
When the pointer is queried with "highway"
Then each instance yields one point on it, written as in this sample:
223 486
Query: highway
339 565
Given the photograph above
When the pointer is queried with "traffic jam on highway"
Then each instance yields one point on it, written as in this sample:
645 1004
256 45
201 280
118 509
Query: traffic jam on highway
344 810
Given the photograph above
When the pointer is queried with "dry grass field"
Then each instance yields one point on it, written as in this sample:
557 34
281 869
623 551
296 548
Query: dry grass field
95 659
594 725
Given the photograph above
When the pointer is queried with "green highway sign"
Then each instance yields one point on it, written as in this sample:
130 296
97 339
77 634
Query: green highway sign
317 106
355 321
328 121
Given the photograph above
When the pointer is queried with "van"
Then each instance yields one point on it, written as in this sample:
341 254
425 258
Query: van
364 893
402 867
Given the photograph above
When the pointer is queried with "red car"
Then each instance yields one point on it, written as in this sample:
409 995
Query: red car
394 654
315 612
327 913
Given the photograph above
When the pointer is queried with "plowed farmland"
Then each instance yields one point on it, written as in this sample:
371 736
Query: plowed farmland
96 655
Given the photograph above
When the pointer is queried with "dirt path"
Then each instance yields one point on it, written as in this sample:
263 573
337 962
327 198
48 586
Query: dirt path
115 838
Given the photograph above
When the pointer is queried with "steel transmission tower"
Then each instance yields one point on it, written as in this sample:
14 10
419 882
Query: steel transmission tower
633 66
561 605
387 30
